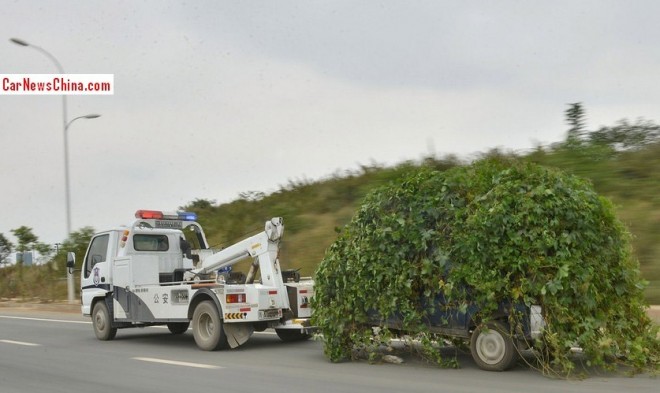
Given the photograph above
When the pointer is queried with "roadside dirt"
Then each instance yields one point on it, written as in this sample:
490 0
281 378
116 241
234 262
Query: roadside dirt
37 305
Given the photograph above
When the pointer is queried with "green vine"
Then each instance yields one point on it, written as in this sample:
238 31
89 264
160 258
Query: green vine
506 230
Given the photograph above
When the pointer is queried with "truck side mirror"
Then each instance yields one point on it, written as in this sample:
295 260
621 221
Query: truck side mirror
70 261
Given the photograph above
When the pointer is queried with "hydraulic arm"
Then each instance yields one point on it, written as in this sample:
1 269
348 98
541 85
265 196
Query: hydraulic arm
263 246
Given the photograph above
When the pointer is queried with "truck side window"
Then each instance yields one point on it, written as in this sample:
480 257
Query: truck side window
151 243
98 252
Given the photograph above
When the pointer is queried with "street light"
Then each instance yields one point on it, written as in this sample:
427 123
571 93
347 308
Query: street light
66 124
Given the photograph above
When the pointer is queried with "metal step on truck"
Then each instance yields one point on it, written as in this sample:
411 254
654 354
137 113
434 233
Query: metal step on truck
160 270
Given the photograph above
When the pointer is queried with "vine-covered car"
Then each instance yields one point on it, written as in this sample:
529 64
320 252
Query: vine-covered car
513 233
495 340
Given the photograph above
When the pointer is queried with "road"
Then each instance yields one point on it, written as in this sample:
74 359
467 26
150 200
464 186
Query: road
58 352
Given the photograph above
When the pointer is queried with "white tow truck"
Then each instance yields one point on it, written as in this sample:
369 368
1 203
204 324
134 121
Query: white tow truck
160 270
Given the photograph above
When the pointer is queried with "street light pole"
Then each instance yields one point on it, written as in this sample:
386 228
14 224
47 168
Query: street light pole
66 125
66 168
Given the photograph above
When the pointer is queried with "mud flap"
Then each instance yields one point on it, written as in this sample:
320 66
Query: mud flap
237 333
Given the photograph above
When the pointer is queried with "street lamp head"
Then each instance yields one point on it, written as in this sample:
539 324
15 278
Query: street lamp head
90 116
18 41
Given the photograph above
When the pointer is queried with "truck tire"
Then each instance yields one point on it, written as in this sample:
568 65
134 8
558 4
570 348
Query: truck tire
102 322
492 347
178 327
289 335
207 327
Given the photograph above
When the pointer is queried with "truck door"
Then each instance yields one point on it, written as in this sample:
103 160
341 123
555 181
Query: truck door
95 279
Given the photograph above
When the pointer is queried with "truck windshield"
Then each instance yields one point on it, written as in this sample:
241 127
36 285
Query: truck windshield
150 243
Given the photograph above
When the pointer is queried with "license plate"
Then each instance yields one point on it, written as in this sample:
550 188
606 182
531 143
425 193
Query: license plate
270 314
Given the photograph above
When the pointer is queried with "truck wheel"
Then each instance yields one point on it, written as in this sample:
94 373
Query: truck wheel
207 327
178 327
492 347
292 335
102 322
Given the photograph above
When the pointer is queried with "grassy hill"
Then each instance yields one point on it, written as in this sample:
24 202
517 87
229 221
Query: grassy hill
313 209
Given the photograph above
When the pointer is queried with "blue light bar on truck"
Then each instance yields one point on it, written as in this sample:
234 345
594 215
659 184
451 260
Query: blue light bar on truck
187 216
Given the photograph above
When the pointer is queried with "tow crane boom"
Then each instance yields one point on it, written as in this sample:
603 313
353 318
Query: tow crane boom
251 247
263 247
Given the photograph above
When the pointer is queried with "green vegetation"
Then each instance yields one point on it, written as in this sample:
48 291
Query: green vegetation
45 282
496 231
622 162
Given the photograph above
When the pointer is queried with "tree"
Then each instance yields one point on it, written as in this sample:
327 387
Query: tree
199 204
575 118
28 241
6 248
627 136
76 243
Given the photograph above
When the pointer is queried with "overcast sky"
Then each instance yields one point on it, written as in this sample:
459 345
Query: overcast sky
216 98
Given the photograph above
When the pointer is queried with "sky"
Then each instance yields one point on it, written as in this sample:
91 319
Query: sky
215 98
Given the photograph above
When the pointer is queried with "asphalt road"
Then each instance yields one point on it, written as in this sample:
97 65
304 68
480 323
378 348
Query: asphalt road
58 352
